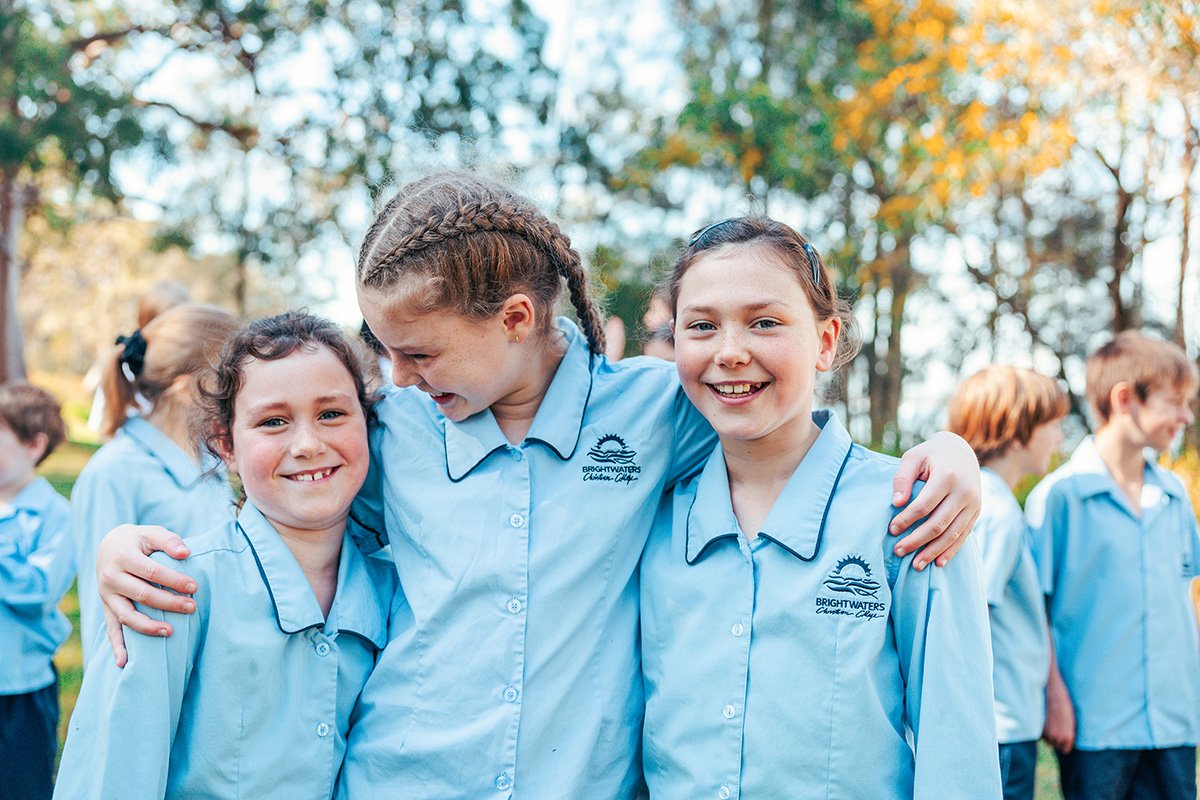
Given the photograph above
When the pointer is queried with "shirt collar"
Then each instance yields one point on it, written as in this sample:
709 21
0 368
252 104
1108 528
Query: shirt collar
797 520
357 607
557 424
182 469
33 498
1091 476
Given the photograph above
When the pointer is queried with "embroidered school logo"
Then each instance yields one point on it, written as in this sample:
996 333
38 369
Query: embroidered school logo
613 461
856 592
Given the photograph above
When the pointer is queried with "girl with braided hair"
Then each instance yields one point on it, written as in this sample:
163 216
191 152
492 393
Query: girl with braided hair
515 475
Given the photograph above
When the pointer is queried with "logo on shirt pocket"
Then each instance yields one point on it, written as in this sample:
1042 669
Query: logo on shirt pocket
612 460
850 590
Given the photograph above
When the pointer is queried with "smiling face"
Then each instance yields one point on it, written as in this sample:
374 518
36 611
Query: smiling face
465 365
748 346
299 440
1163 415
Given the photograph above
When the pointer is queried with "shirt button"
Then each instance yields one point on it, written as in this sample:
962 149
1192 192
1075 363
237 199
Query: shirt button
510 695
737 629
503 782
322 729
729 711
322 649
516 520
517 455
724 793
514 606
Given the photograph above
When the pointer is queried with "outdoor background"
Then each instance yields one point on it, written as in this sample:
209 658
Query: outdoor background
1007 181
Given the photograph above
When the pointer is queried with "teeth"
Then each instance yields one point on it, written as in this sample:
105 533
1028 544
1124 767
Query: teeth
312 476
737 389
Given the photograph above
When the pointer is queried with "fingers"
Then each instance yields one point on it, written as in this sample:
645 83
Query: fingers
116 637
936 538
127 615
137 585
911 469
153 537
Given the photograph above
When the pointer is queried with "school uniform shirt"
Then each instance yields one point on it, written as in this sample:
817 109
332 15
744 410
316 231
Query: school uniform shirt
140 477
1121 617
519 675
250 696
37 563
811 661
1016 611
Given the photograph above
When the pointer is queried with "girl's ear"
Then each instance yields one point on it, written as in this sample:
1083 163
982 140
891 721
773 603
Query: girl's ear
828 333
518 316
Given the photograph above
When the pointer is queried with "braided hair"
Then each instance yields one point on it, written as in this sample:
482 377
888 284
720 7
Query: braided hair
474 243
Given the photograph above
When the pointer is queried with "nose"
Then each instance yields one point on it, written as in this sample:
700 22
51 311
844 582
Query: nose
732 351
306 440
403 374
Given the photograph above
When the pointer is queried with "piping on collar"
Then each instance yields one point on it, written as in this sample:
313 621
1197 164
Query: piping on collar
558 423
356 606
793 522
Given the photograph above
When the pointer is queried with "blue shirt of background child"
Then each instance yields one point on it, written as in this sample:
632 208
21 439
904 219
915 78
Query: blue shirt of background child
1121 617
37 563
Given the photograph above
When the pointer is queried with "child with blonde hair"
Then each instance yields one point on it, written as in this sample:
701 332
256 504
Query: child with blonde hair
1012 418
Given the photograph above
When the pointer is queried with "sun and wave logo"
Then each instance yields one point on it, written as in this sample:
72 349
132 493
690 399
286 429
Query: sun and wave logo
857 591
613 461
611 449
852 575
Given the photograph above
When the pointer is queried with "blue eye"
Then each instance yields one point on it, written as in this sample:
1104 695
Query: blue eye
271 422
332 414
703 327
766 324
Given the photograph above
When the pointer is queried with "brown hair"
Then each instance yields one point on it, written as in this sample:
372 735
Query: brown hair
1145 364
793 251
28 411
158 298
476 243
1000 406
268 339
181 341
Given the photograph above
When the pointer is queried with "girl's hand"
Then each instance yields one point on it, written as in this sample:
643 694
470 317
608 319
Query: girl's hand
126 575
949 500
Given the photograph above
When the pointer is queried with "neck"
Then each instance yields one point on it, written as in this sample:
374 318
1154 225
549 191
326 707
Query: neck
172 420
1008 467
760 469
318 554
10 490
1122 456
516 411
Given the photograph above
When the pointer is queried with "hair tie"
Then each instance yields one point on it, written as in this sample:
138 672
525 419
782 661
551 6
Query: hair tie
133 357
812 262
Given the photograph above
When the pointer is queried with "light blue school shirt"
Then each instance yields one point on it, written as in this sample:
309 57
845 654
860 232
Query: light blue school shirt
1121 617
803 664
250 697
37 563
1016 611
140 477
519 676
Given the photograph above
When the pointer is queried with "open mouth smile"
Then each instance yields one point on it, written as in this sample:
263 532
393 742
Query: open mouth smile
312 475
736 391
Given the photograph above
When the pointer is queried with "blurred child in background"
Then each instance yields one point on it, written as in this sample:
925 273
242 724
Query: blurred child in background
1117 546
152 472
1012 417
37 562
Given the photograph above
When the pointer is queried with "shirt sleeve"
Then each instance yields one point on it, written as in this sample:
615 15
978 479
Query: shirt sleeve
123 729
940 621
366 524
694 439
35 580
1001 535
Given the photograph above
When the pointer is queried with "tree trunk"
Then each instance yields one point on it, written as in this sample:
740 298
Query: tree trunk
1120 262
1188 165
13 199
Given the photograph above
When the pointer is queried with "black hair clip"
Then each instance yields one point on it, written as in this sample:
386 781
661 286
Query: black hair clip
700 234
812 262
133 357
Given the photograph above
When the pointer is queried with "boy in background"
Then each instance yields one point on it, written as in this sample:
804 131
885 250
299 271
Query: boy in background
37 564
1116 543
1012 418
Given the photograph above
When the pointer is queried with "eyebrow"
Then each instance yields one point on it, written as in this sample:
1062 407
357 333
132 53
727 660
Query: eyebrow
700 309
281 405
